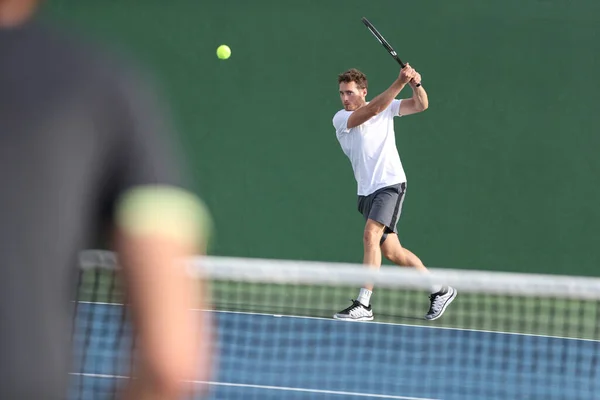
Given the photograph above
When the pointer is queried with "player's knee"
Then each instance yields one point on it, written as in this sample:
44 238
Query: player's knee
387 253
371 238
397 256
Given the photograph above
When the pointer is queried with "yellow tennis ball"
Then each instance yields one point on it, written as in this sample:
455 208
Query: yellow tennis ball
223 52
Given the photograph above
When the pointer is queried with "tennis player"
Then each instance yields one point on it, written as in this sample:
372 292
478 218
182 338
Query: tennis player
85 148
365 131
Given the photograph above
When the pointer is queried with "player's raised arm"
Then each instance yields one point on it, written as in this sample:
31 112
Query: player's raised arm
382 101
418 102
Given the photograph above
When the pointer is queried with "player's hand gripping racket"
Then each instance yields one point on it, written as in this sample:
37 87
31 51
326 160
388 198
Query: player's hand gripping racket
385 43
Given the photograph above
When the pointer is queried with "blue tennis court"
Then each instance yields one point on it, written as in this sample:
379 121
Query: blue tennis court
283 357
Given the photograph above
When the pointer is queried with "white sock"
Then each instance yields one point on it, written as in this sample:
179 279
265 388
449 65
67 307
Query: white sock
436 288
364 296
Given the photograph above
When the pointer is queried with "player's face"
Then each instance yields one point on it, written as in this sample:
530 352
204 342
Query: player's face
352 97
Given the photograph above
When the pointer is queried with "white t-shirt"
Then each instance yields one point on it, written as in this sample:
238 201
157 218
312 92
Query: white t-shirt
371 148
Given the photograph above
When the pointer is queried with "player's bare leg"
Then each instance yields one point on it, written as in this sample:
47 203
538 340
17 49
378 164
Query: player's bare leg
393 251
371 243
360 310
440 296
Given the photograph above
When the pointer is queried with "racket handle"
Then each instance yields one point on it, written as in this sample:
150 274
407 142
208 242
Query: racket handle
402 65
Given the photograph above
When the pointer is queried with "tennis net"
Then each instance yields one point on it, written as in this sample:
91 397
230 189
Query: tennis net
506 336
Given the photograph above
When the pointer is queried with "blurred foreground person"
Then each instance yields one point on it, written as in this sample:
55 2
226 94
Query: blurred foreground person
85 153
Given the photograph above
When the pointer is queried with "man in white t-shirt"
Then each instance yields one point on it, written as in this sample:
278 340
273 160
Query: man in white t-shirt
365 131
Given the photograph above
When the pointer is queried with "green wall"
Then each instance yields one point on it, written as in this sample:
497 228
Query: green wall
503 168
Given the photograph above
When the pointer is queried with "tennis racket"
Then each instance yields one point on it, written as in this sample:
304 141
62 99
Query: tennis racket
384 43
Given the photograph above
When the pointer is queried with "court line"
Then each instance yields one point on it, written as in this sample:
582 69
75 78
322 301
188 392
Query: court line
407 325
381 323
282 388
333 392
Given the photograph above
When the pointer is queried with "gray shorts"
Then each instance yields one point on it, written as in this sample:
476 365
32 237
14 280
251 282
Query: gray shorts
384 206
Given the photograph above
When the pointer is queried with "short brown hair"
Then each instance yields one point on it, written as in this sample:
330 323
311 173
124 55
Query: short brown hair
354 75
